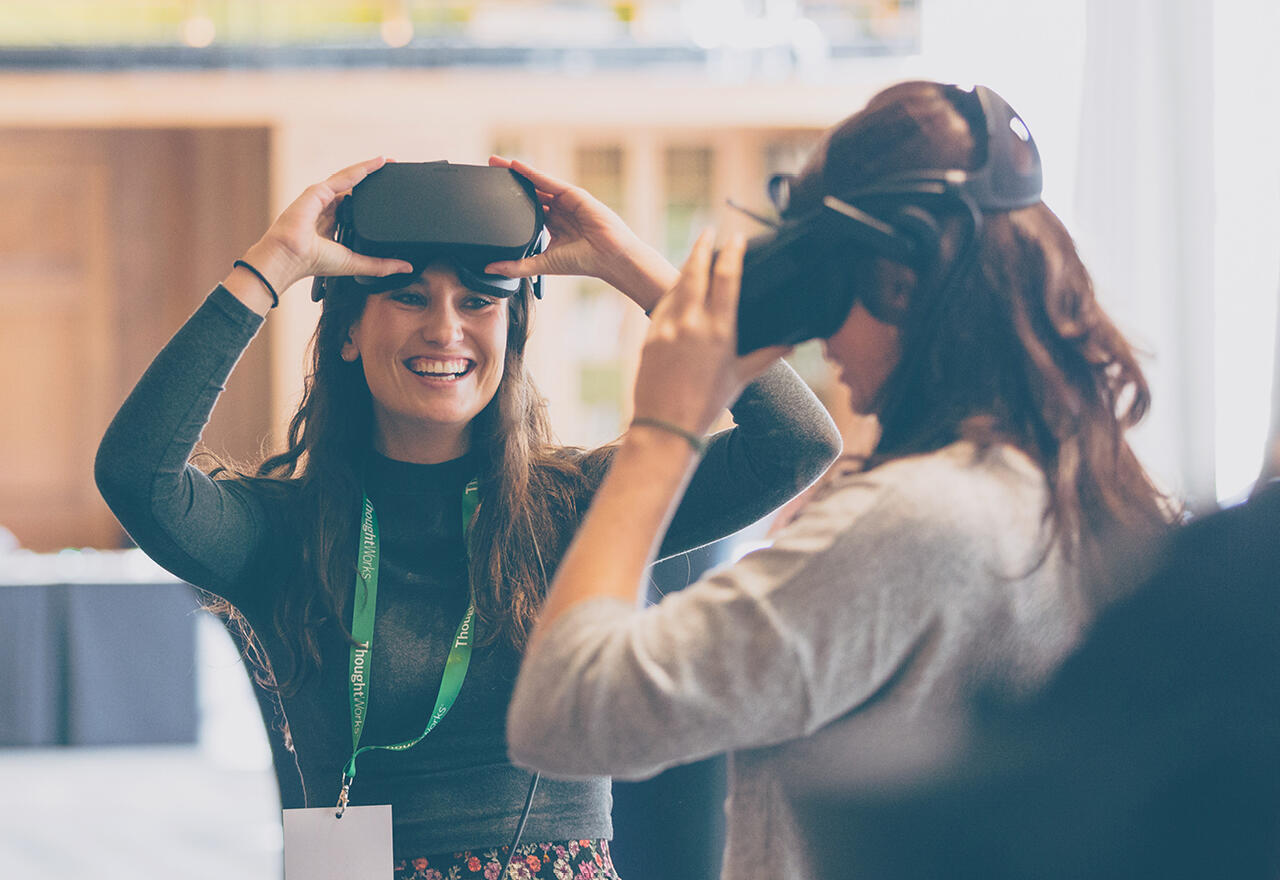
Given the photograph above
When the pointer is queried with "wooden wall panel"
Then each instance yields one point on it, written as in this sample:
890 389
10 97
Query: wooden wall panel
109 240
227 185
56 351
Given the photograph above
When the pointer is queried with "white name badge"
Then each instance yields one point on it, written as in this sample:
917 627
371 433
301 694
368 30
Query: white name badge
320 846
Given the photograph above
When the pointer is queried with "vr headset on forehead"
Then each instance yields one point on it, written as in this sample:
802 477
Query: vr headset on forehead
787 295
426 212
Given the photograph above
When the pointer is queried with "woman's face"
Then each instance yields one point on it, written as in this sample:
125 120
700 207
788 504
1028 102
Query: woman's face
433 355
866 350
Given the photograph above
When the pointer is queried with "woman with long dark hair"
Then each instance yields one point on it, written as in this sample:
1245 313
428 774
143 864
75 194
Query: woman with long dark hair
970 552
419 474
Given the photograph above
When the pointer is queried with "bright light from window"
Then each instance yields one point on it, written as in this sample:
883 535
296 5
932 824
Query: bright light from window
199 31
397 31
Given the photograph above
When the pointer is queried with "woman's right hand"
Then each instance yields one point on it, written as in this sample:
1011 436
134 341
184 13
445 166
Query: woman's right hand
588 238
689 368
299 243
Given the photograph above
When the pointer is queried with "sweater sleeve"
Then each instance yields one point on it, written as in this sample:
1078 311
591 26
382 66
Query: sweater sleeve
204 531
782 441
757 653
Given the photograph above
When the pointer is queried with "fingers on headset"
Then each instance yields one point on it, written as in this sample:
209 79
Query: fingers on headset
547 187
383 268
726 274
522 268
525 171
341 181
693 281
552 186
359 264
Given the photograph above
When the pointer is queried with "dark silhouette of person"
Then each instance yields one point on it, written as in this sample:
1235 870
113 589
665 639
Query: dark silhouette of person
1154 752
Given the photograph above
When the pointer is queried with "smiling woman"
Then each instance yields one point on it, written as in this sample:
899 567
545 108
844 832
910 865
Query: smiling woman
404 538
433 356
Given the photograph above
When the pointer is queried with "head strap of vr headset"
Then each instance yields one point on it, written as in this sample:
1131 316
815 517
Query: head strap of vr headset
896 216
1009 177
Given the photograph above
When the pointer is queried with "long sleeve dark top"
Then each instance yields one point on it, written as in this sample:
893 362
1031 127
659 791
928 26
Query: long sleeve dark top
457 788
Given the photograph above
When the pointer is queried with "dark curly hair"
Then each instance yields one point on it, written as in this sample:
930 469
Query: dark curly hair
1010 344
531 492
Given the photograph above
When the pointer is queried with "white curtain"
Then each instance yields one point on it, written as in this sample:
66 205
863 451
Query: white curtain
1144 215
1178 216
1247 243
1156 126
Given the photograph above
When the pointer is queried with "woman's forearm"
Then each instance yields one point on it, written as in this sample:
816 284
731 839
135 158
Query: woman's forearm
644 277
620 534
198 529
783 441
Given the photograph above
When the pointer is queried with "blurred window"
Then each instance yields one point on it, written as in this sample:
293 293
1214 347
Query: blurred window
600 314
687 179
539 33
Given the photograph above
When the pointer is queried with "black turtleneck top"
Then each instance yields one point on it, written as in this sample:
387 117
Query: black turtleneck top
456 789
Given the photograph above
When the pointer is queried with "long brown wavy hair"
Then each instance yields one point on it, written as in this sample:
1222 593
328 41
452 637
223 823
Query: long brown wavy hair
1009 346
530 490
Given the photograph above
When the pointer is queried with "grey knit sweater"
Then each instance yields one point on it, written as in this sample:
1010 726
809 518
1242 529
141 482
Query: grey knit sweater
456 790
884 605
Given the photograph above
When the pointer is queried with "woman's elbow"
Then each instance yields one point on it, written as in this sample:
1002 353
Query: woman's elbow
559 726
565 753
825 447
815 450
541 738
523 734
109 474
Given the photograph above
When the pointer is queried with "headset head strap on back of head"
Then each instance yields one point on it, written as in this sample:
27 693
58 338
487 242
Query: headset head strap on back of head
1010 177
891 217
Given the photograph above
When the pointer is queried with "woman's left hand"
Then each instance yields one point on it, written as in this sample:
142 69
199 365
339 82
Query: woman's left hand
689 368
587 238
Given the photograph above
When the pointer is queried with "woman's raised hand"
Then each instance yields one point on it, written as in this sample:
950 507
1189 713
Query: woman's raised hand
689 368
587 238
299 243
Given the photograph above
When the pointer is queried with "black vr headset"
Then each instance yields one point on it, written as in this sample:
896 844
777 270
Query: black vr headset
785 296
421 212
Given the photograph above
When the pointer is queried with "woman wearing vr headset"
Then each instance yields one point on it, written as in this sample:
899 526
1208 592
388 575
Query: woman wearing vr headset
417 400
968 553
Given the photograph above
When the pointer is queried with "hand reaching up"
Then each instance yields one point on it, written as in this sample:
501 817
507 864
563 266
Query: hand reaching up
299 243
588 238
689 368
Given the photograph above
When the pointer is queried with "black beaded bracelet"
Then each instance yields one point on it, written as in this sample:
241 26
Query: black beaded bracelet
699 444
275 297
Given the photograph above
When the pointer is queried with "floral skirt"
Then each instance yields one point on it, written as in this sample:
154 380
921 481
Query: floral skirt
560 860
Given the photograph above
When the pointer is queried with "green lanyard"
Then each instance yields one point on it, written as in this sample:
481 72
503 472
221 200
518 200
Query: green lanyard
362 615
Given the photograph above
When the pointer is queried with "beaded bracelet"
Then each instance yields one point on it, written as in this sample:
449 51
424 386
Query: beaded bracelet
699 444
275 297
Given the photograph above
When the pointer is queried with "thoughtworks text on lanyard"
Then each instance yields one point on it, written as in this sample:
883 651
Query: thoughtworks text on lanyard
338 844
363 607
322 843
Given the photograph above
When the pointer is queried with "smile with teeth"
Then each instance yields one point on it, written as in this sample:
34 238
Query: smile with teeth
440 368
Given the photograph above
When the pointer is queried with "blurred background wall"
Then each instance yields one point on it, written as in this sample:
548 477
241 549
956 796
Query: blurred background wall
144 145
135 174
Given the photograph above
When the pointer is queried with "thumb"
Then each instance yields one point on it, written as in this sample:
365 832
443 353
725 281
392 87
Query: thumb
523 268
359 264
